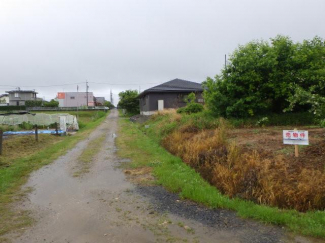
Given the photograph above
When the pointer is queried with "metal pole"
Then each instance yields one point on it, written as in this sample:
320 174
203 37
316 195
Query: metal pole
87 91
56 129
1 133
225 61
36 133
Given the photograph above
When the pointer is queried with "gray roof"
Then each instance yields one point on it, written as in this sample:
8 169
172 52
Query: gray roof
175 85
21 91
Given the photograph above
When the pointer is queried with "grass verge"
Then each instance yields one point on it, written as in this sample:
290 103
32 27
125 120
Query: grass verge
17 174
87 155
177 177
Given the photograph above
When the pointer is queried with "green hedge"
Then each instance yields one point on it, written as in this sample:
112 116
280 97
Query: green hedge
33 103
12 108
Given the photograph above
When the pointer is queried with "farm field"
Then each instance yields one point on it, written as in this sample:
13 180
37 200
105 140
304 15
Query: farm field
22 155
254 164
251 164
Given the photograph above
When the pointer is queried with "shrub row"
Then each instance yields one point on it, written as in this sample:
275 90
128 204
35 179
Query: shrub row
12 108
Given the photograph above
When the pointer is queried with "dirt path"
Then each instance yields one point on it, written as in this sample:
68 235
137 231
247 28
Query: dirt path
102 206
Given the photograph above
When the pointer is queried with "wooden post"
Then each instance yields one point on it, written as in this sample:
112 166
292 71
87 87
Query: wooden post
56 129
36 133
1 133
296 148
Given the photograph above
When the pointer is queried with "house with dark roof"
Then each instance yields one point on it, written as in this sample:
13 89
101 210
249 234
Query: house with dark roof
171 94
19 97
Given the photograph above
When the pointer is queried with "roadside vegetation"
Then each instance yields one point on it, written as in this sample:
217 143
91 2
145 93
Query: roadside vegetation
129 102
142 146
261 78
232 149
22 155
86 157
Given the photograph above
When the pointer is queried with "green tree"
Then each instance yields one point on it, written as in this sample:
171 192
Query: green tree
109 104
191 105
52 103
263 77
33 103
129 101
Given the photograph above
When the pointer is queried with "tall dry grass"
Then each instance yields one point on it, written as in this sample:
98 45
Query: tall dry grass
248 174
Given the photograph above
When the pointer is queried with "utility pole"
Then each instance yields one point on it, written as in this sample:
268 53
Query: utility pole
87 91
77 101
111 97
225 61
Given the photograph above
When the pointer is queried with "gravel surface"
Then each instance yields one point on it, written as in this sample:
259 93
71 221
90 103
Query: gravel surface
218 219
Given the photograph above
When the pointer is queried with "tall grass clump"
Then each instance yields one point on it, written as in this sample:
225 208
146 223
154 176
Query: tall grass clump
245 173
201 141
171 172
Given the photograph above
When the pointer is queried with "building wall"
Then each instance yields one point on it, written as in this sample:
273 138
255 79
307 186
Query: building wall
22 97
144 103
171 100
75 99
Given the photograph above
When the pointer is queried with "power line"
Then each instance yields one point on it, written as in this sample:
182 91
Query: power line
121 83
56 85
40 86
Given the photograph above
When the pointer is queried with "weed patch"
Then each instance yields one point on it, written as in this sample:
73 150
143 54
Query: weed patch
178 177
88 154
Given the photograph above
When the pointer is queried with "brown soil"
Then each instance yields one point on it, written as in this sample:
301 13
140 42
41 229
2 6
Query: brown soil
268 142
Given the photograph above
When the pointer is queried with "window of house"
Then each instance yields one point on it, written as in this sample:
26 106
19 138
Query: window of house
200 100
16 95
72 97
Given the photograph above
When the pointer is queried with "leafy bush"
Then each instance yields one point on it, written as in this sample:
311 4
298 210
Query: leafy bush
263 77
26 126
109 104
191 106
12 108
322 123
33 103
129 101
52 103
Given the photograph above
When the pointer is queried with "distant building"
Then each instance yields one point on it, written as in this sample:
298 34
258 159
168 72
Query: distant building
19 97
99 101
75 99
4 99
171 94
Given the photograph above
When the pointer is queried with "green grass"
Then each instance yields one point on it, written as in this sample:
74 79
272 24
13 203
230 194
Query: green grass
88 155
17 174
177 177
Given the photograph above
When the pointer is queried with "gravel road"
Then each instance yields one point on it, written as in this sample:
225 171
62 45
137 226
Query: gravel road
103 206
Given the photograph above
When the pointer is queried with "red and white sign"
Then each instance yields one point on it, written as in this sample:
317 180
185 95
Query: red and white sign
295 137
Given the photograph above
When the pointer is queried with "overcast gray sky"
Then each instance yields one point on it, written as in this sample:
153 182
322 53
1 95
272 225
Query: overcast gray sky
124 44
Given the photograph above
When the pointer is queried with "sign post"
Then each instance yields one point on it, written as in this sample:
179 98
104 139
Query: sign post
296 138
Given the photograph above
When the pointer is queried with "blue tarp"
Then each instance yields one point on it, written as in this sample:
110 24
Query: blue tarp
32 132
